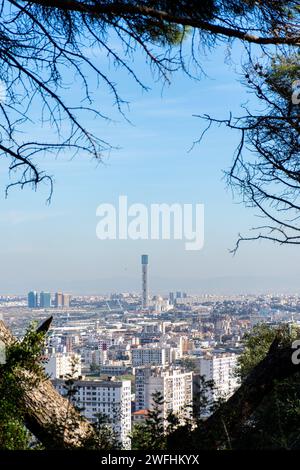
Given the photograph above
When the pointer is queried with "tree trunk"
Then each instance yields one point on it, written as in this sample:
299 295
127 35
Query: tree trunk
225 423
49 416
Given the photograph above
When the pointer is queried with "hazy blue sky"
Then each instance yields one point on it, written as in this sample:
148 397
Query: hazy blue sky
55 247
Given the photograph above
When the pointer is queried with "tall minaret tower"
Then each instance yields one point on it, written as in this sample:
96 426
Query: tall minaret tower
145 293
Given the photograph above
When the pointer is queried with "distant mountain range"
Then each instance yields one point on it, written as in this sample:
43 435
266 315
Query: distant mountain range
216 285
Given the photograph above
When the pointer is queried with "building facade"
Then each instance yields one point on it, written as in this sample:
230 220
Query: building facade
219 368
110 398
32 299
156 356
45 299
60 365
174 386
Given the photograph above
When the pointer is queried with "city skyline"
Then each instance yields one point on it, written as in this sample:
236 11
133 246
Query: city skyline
120 354
149 230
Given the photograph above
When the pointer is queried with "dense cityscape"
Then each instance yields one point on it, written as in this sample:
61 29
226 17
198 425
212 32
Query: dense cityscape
123 348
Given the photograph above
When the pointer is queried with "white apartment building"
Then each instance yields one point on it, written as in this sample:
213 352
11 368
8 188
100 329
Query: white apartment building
110 398
152 356
61 364
94 356
175 387
220 368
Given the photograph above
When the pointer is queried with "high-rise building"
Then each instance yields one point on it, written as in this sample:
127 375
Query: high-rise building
62 300
171 297
110 398
66 300
58 302
32 299
156 355
175 387
61 364
45 299
220 369
145 293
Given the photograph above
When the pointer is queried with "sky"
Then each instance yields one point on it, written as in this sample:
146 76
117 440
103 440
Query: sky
54 247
